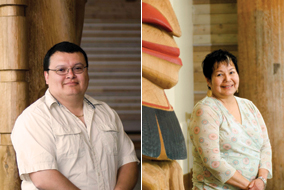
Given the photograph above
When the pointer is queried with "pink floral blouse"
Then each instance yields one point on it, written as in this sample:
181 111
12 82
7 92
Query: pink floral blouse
222 145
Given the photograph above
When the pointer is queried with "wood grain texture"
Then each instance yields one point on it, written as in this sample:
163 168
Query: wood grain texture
164 175
13 66
12 76
215 8
12 11
215 47
261 58
5 139
201 29
13 43
9 179
14 101
215 19
50 22
187 178
195 2
220 39
13 2
200 56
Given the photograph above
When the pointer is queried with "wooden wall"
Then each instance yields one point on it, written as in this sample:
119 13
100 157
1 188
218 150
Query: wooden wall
112 40
214 27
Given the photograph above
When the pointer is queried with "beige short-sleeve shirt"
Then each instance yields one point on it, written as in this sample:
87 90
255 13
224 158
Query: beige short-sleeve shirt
48 136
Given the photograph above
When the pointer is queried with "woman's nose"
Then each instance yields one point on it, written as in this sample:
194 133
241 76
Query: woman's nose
227 77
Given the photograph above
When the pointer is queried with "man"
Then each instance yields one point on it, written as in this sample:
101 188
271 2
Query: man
68 140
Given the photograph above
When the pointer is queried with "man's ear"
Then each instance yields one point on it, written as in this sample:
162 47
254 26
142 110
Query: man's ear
46 76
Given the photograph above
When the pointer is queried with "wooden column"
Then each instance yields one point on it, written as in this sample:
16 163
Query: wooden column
261 65
50 22
13 87
27 30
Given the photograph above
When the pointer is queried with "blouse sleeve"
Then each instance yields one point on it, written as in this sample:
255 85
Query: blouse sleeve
204 129
265 151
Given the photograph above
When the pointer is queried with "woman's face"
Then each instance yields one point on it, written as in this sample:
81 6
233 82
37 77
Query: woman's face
224 80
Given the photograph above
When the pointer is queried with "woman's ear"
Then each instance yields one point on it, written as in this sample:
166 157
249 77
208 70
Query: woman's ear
208 82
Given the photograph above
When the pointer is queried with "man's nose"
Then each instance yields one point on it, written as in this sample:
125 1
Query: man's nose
70 73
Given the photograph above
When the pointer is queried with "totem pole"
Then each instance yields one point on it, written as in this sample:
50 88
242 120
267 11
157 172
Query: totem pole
162 138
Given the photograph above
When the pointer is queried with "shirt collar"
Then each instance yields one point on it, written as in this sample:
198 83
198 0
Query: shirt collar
91 101
49 99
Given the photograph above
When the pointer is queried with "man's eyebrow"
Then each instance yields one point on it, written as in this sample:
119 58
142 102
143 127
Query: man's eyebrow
66 66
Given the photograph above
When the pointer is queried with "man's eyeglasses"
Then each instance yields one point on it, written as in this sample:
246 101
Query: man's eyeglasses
77 69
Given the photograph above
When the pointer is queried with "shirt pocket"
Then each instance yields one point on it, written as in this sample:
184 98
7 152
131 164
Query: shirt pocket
108 135
69 142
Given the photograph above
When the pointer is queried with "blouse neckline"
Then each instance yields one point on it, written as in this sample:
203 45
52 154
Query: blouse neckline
225 109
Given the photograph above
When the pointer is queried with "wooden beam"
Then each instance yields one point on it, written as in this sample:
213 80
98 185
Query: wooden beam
201 29
195 2
215 19
215 8
199 56
261 59
215 47
230 39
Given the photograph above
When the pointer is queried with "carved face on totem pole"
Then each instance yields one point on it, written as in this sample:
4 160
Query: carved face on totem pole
161 133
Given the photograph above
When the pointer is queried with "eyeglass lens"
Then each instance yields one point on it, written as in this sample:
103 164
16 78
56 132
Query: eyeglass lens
77 69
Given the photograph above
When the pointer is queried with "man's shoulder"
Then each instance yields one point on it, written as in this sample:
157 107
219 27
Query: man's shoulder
34 116
39 107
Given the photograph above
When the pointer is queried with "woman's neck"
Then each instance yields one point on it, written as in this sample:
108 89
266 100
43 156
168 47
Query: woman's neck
226 101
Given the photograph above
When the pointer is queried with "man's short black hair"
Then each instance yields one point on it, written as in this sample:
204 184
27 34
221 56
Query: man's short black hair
66 47
218 56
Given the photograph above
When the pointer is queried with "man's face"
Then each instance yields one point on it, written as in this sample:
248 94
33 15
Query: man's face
62 86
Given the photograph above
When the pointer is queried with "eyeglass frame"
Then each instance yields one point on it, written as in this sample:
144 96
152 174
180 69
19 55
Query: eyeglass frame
68 70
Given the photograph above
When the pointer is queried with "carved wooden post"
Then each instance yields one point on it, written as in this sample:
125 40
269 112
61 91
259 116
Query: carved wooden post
13 87
25 37
261 59
50 22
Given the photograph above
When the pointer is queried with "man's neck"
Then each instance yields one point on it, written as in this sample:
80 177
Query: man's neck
73 103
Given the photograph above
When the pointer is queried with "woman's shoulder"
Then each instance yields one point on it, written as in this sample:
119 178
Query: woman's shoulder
207 103
245 101
206 108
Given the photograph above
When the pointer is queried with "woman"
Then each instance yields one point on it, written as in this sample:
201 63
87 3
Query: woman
231 145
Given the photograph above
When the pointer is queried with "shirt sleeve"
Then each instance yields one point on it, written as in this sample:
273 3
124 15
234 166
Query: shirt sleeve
265 151
204 130
34 144
126 150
